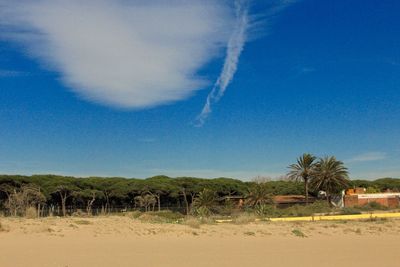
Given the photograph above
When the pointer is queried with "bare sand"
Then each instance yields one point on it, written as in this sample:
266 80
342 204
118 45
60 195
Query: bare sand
122 241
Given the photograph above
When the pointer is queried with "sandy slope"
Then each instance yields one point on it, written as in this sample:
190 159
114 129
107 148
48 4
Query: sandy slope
120 241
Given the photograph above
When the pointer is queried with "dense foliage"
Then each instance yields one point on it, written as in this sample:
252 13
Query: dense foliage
379 185
62 195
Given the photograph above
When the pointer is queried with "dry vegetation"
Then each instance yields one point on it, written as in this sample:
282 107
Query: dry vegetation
160 239
135 223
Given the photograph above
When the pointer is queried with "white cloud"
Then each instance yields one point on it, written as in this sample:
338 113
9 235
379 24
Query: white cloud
370 156
130 54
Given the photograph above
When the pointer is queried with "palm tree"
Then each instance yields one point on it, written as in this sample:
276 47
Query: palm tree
205 199
259 194
204 202
330 176
303 171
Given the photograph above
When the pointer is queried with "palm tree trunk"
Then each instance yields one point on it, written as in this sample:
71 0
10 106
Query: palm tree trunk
328 198
306 190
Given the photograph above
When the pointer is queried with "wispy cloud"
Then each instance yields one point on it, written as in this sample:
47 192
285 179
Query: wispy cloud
129 54
11 73
369 156
305 70
235 47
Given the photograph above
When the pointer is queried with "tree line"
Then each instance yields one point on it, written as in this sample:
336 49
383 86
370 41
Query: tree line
63 195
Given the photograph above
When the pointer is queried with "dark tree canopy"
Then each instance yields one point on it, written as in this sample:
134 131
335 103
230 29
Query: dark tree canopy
65 194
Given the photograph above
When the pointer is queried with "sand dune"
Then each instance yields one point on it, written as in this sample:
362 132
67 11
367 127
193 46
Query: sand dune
122 241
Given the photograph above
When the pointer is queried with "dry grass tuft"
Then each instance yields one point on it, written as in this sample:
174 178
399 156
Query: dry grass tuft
82 222
244 218
207 220
145 217
73 226
298 233
79 213
161 217
192 222
31 213
349 230
4 228
133 214
249 233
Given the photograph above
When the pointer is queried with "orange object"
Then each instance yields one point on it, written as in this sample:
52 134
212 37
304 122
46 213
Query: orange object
350 191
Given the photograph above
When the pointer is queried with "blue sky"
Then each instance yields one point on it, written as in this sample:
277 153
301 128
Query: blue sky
118 91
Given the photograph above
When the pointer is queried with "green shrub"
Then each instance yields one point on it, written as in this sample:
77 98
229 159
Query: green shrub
319 207
292 211
134 214
373 206
202 211
228 208
168 214
350 211
372 190
265 210
298 233
307 210
296 210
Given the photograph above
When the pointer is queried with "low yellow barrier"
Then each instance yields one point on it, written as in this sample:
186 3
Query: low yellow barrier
328 217
338 217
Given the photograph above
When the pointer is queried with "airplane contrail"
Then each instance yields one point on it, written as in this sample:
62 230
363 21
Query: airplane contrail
234 49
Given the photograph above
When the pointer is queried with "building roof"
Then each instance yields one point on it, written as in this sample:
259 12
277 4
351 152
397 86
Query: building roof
280 199
291 199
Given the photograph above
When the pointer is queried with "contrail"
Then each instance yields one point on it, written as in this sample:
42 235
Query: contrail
234 49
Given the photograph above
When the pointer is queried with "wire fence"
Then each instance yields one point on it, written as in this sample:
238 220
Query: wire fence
46 211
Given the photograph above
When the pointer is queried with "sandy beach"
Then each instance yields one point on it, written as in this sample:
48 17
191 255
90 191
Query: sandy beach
122 241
